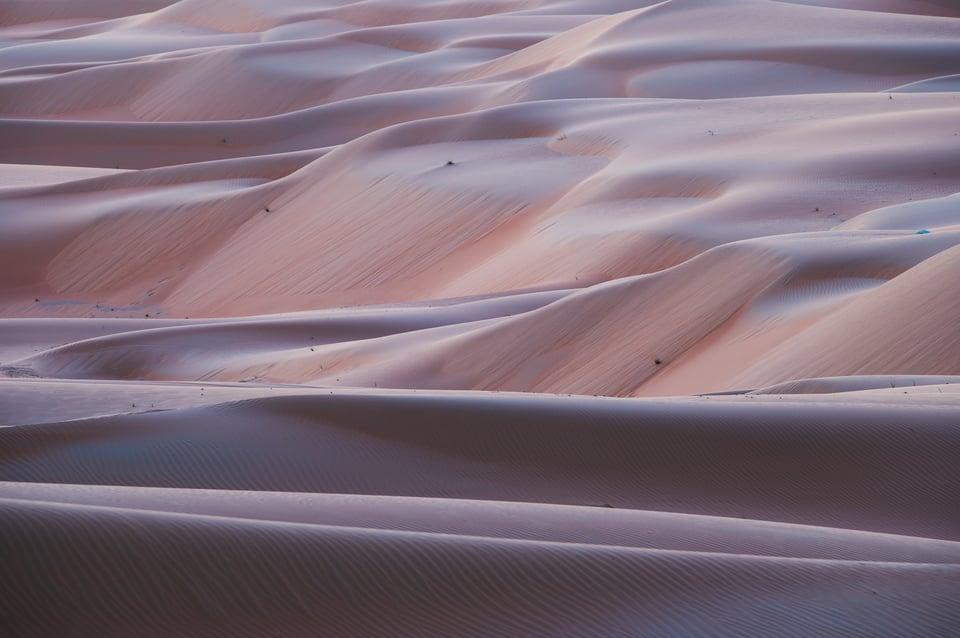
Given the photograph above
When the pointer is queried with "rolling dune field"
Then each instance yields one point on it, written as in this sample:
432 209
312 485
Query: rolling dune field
480 318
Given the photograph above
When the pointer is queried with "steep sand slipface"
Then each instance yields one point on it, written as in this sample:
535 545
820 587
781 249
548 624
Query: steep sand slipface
302 304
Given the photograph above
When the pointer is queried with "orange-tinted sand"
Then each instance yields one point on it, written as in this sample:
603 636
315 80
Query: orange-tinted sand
480 318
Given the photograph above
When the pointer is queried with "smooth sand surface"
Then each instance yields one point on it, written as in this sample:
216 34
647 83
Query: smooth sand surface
479 318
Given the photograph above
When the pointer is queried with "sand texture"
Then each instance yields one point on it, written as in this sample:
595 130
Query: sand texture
480 318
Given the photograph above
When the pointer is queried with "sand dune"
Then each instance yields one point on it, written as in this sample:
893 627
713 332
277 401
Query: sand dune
424 584
479 317
663 455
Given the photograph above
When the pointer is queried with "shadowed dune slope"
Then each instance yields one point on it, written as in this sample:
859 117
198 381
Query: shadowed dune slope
834 466
261 577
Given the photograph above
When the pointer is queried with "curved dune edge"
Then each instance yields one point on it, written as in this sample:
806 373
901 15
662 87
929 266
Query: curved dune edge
854 383
502 519
479 318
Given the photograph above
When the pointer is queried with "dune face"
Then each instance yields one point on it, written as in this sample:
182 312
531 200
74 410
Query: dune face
479 318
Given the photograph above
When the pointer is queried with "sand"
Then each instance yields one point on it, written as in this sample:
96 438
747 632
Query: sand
479 318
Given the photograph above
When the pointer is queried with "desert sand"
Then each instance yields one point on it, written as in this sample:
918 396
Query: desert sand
480 318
